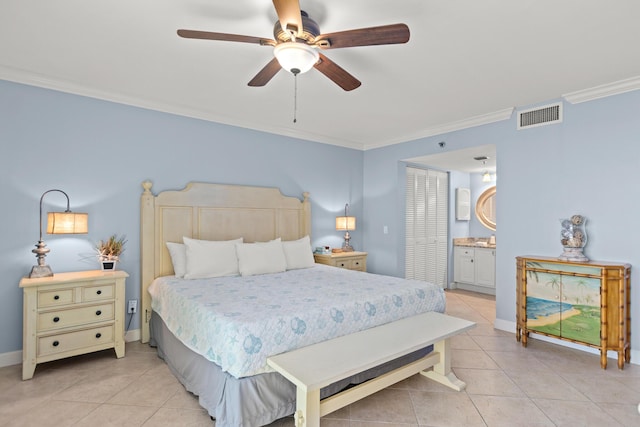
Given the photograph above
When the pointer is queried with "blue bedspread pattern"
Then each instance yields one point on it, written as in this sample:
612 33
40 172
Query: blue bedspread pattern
239 322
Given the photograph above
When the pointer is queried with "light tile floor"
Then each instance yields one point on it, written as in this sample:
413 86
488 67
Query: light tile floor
507 385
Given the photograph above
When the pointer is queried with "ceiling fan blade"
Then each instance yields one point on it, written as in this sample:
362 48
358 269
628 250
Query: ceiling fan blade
266 74
386 34
289 16
206 35
337 74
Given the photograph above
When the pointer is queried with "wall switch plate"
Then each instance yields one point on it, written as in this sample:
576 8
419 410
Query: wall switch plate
133 306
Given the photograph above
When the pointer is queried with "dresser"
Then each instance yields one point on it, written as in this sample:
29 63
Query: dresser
70 314
585 303
349 260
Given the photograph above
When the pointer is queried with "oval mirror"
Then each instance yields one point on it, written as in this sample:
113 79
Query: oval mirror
486 208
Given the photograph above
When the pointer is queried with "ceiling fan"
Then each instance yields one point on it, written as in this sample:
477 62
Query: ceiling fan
298 41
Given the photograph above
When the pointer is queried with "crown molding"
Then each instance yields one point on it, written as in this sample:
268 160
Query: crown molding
609 89
470 122
33 79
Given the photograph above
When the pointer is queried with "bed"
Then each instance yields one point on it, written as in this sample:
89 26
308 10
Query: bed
215 333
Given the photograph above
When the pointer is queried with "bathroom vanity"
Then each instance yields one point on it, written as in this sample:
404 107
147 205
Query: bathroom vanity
474 265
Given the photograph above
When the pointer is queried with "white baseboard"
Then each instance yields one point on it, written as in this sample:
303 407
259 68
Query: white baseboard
11 358
15 357
507 326
132 335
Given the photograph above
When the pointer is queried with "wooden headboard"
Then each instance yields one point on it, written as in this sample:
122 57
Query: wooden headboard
211 212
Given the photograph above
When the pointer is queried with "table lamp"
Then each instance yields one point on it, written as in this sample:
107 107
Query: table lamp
346 223
66 222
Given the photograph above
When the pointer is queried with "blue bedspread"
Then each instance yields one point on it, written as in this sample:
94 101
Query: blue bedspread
238 322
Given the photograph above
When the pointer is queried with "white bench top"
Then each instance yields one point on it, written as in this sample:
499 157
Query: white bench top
324 363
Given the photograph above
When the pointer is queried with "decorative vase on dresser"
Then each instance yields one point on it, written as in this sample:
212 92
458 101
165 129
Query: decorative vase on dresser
584 302
70 314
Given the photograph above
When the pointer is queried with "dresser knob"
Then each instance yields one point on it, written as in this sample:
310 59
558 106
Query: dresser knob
99 292
56 319
56 343
98 335
98 313
57 297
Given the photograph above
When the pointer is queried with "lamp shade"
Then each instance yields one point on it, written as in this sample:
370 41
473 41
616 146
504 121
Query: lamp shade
345 223
296 57
67 223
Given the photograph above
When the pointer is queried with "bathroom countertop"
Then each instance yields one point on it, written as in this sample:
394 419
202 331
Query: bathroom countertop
474 242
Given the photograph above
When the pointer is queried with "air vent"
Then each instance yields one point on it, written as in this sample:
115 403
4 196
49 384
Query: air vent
540 116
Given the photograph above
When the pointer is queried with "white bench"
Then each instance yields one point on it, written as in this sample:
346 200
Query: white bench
318 365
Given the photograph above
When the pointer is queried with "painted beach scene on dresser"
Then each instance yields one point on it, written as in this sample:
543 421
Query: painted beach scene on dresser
567 305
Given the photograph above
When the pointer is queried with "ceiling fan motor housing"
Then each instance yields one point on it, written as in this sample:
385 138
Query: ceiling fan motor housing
310 30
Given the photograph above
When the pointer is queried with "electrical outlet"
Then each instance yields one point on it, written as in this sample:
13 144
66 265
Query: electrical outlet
133 306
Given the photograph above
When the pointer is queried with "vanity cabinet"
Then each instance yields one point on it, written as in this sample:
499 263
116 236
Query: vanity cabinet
582 302
463 265
485 261
474 268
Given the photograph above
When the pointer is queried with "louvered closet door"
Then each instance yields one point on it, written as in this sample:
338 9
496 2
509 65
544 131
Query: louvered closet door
426 225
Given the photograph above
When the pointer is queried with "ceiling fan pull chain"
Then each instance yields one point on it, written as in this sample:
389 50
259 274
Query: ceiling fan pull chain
295 97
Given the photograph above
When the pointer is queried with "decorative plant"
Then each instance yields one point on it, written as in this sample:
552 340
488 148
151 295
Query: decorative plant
112 248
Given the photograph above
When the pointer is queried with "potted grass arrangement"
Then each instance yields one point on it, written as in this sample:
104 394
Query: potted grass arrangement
109 251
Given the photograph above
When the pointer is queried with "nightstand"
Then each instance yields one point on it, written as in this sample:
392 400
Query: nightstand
70 314
349 260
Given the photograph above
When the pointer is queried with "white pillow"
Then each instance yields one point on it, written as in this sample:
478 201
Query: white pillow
261 258
207 258
298 253
178 254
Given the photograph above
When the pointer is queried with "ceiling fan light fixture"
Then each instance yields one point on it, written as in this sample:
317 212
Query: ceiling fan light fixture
296 58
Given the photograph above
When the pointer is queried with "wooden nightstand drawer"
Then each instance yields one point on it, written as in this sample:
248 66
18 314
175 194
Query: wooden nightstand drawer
75 316
62 343
98 293
349 260
358 264
351 264
343 264
55 297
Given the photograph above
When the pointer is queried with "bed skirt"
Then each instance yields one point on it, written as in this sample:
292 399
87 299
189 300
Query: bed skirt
249 401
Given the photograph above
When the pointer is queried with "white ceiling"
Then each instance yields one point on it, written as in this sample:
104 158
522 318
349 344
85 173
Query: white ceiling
467 62
463 160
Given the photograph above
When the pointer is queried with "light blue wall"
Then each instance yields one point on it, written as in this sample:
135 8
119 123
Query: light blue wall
588 164
100 152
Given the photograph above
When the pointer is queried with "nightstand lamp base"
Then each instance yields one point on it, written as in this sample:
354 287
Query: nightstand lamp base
40 271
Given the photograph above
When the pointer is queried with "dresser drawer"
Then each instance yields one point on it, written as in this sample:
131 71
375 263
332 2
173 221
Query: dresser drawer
98 293
351 264
75 316
55 297
358 264
344 263
348 260
62 343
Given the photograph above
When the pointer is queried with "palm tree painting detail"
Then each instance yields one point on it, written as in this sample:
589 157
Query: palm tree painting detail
564 304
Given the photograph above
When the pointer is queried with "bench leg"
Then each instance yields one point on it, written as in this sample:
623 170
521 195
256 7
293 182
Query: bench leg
442 370
307 408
